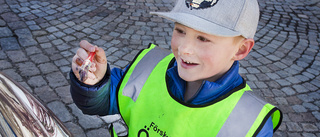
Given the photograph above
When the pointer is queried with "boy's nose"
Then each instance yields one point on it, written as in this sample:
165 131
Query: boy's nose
186 48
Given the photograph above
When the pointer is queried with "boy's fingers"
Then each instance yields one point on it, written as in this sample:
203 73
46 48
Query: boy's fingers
87 46
81 53
75 69
93 68
79 61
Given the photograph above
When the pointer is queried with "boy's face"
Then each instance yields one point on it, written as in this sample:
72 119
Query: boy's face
202 56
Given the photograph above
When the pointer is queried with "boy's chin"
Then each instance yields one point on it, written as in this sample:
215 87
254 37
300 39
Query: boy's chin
187 77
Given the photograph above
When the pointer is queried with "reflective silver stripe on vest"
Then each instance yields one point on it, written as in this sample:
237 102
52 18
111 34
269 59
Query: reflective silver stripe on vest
242 117
142 71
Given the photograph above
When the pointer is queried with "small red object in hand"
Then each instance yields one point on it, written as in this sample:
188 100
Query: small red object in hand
83 71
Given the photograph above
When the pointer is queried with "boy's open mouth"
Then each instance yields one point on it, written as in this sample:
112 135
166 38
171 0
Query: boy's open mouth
186 63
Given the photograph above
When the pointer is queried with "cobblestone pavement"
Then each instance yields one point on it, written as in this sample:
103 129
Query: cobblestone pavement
38 39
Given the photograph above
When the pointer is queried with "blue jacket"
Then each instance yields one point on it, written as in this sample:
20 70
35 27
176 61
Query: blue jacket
100 99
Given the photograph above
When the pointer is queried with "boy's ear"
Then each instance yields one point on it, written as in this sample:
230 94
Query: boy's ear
244 49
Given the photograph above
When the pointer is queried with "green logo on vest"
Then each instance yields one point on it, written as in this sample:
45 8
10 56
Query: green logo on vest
154 128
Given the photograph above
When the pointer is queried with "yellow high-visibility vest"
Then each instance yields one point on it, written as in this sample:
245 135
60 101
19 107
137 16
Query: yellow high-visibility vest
149 110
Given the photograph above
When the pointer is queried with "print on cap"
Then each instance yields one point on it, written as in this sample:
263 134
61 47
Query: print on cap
200 4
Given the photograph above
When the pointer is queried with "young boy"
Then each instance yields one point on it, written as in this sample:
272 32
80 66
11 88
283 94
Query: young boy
196 91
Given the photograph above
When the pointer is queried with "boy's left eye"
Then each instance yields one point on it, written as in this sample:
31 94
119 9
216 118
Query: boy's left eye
203 39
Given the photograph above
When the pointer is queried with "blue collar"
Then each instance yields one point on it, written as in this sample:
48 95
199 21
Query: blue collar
208 91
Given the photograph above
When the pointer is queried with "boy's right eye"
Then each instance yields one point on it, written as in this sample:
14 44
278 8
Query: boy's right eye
179 31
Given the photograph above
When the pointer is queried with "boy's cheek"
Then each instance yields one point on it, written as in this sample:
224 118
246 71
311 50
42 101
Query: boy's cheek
174 42
174 49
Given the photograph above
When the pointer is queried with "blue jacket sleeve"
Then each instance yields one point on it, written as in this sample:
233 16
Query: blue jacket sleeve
267 130
99 99
116 76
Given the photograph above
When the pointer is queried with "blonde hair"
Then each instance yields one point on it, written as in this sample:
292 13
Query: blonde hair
237 39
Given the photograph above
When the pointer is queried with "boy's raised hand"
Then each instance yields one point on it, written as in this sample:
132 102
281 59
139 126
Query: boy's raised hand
99 64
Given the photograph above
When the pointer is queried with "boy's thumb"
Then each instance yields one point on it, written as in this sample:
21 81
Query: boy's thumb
100 55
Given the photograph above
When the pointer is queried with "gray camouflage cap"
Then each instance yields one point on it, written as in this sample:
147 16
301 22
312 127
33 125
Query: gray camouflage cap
217 17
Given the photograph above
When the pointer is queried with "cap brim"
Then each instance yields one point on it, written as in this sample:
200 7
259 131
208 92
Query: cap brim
198 23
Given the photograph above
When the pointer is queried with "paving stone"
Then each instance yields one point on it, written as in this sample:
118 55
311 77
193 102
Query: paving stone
292 126
88 30
11 73
2 22
51 37
262 77
66 53
42 39
295 117
94 36
57 42
302 78
260 85
5 32
10 17
279 134
32 50
56 79
120 128
75 129
55 57
59 109
300 88
293 80
313 71
69 38
308 135
86 121
316 114
46 94
111 118
314 95
288 91
39 58
299 108
65 69
17 25
64 94
39 33
47 68
305 98
23 33
294 135
59 34
61 62
79 35
308 117
3 55
46 45
36 81
310 106
25 42
281 100
253 70
278 93
5 64
9 43
273 85
309 75
28 69
101 132
283 82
